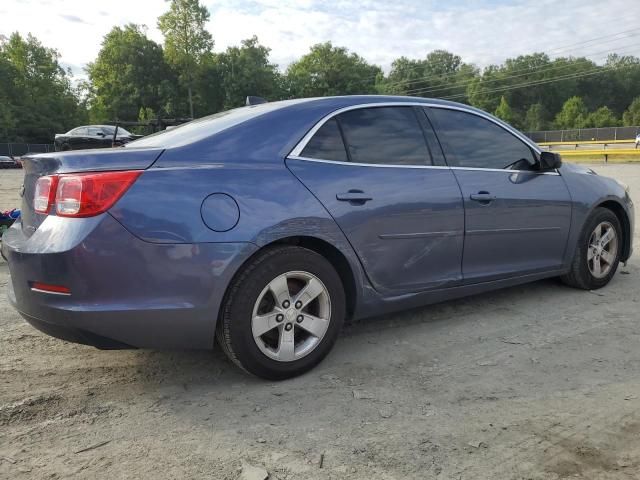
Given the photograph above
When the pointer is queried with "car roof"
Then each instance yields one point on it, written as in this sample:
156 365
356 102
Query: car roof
266 132
352 100
303 109
98 126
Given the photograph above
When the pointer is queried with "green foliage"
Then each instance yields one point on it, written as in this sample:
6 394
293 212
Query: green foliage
246 70
328 70
36 96
129 74
572 115
440 74
133 77
186 40
631 116
536 118
602 117
503 111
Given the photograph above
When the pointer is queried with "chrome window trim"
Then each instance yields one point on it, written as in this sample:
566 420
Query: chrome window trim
297 150
356 164
430 167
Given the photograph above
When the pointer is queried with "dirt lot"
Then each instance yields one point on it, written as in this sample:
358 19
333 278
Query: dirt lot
534 382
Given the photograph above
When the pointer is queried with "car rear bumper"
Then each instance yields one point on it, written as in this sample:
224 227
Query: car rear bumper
124 292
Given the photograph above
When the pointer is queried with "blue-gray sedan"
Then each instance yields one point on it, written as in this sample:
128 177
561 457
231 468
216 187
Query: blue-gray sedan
266 226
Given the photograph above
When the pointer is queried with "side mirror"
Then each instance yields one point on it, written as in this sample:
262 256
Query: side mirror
550 160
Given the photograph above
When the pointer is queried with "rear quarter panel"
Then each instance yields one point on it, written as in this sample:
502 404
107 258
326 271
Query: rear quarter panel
164 207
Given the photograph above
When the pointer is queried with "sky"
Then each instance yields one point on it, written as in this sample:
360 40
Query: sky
482 32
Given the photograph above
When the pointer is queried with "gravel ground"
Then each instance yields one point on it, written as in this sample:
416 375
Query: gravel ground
534 382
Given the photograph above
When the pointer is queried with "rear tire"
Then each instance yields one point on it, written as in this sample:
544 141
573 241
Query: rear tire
265 295
598 253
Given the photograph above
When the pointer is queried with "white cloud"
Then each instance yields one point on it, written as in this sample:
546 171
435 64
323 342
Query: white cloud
481 31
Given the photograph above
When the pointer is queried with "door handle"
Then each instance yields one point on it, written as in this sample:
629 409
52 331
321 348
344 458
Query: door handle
484 198
355 197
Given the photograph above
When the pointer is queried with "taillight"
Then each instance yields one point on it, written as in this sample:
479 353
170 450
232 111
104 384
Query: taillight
45 193
89 194
81 195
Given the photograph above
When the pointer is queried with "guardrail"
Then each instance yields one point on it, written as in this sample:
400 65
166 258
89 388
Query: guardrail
626 152
588 142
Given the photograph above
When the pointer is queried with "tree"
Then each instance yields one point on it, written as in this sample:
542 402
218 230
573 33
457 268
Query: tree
504 111
619 83
187 41
536 118
129 74
37 99
8 93
328 70
246 70
440 74
602 117
631 116
573 114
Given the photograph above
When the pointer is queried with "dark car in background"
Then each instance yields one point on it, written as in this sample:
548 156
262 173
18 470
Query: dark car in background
8 162
92 136
266 226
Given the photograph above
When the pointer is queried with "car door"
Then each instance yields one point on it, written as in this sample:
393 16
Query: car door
516 217
77 139
372 170
95 138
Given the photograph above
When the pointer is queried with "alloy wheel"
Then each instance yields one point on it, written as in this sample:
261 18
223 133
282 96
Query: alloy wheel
291 316
603 249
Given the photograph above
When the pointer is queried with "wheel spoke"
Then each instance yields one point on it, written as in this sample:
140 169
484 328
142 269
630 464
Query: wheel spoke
608 257
311 290
596 268
286 345
606 238
280 289
597 233
314 325
590 253
261 324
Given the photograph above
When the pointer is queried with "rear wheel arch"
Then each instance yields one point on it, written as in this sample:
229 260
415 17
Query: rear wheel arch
337 259
332 254
623 218
236 321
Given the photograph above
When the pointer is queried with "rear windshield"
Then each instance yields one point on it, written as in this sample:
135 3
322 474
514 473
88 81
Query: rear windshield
206 126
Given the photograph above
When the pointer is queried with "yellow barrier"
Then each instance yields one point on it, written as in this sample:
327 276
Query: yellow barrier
586 142
595 153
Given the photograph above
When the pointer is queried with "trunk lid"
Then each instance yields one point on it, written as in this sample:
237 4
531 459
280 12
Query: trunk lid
36 166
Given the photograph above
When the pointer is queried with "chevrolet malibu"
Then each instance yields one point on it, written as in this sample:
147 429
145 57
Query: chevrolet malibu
266 226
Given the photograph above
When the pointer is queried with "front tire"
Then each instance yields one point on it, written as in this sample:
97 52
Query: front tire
598 252
282 313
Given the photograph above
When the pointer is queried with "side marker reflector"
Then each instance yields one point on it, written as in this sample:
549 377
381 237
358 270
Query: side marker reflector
49 288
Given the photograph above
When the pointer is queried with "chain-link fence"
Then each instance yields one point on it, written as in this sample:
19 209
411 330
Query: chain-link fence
19 149
585 134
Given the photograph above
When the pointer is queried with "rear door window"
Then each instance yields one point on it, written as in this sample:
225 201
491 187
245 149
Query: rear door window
384 135
95 131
